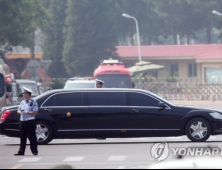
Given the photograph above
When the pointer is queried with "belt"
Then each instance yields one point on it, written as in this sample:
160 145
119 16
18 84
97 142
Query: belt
27 119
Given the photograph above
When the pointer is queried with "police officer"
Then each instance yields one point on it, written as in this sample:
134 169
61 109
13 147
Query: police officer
28 109
99 83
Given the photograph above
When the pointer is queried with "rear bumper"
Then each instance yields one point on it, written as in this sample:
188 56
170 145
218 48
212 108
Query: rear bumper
8 131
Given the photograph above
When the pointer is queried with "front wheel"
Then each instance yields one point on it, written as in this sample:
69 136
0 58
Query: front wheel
198 130
43 133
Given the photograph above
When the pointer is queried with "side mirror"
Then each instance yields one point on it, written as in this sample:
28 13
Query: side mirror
9 88
162 106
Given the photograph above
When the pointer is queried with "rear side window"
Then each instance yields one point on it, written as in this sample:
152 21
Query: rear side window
2 85
50 102
137 99
106 99
69 99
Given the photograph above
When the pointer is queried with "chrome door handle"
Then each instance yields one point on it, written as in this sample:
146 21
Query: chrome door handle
136 110
49 110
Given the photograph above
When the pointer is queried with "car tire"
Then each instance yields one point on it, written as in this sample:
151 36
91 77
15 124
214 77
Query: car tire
198 130
44 133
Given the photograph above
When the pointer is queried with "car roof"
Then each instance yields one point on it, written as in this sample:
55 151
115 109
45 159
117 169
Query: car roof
25 81
98 90
81 81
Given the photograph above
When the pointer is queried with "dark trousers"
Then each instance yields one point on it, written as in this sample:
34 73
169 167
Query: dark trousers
28 131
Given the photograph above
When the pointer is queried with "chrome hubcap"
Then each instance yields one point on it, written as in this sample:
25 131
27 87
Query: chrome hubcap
198 130
42 133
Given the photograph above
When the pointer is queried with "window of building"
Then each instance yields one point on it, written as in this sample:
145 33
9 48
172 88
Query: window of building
213 75
192 70
174 70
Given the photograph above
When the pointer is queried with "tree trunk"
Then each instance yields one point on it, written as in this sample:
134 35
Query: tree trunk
149 39
32 48
175 39
208 32
131 39
188 39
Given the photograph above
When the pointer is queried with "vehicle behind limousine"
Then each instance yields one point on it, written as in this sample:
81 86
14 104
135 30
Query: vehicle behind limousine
113 113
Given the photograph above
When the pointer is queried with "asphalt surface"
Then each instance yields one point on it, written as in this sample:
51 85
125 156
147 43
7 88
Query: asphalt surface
95 154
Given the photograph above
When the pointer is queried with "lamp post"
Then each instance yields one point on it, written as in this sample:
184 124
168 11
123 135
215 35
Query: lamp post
217 13
138 34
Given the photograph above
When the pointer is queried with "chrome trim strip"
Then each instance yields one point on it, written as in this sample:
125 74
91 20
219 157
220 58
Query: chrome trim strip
12 130
124 91
81 130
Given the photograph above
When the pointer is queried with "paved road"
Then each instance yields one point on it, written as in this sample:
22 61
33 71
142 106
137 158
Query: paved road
108 154
93 154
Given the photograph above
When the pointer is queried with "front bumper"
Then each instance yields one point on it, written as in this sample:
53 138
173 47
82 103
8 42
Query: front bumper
217 127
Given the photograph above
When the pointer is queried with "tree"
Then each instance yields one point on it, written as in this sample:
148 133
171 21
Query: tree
91 35
54 37
18 20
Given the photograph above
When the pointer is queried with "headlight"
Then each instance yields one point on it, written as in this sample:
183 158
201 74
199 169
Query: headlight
216 115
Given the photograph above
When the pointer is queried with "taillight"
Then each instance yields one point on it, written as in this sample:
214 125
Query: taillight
5 115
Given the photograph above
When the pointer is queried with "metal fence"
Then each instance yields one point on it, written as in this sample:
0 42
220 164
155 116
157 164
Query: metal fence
183 89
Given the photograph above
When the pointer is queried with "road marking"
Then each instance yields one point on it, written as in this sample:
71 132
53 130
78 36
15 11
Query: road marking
117 158
74 159
17 166
27 160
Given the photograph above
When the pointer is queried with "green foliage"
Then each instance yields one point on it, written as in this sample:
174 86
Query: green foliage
91 35
58 84
19 19
54 37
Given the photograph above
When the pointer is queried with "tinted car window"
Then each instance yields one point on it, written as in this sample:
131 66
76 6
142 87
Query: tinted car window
137 99
69 99
106 99
50 102
2 85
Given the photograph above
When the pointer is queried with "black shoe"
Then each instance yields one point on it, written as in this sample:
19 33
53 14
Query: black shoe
19 154
35 154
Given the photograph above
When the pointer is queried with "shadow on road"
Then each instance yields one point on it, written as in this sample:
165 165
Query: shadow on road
123 143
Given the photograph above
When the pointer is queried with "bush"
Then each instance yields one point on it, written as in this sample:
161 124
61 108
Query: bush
58 84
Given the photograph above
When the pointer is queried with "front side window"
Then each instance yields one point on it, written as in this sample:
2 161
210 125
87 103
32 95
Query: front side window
137 99
50 102
106 99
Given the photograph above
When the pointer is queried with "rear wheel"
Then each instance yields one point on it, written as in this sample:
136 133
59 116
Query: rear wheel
198 130
43 133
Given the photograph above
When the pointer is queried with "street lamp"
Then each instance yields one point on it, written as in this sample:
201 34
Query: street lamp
217 13
138 33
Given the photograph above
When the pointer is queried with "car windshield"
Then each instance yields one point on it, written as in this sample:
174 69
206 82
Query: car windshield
115 81
30 86
79 85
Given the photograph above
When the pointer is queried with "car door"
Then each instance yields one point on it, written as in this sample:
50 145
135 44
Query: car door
147 119
108 113
69 113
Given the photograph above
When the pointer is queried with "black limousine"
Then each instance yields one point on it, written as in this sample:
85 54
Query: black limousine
113 113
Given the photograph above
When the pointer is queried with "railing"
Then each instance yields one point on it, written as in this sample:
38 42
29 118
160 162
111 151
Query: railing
182 89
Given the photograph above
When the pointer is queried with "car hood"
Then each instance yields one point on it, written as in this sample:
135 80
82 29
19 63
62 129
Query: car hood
191 108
